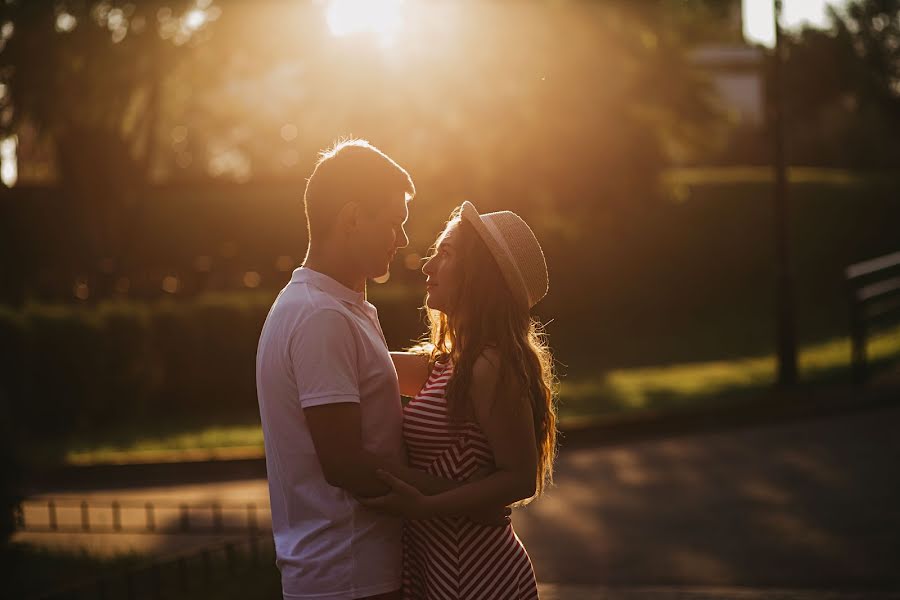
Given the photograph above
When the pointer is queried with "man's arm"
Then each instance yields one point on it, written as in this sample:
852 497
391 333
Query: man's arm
336 431
324 358
324 362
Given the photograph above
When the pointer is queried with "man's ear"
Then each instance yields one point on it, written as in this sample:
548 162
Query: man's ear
348 218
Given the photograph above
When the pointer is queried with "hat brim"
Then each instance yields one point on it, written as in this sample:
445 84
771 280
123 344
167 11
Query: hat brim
504 262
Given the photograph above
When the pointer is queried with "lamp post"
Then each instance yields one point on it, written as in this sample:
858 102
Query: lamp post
787 347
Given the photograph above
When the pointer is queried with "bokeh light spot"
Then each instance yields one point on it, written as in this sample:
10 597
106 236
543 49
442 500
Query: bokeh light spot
81 290
115 20
284 263
290 157
252 279
65 22
170 284
413 261
289 132
179 133
184 159
203 264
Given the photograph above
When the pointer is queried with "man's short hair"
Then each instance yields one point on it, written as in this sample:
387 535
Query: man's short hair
352 170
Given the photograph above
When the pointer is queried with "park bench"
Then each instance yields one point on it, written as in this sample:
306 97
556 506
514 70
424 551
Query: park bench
874 291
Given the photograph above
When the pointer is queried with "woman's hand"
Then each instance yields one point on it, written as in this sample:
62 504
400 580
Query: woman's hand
403 500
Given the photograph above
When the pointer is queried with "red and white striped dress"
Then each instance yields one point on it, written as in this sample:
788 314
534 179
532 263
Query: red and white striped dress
454 558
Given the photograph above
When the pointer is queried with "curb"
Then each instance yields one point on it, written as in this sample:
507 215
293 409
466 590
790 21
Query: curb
776 407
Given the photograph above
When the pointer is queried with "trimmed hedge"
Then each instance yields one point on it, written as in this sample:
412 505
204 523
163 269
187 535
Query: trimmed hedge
80 369
689 280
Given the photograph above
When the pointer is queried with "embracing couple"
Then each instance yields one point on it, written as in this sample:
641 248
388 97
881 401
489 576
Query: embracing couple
371 498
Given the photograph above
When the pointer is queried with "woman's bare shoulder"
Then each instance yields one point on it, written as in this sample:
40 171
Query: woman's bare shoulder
486 368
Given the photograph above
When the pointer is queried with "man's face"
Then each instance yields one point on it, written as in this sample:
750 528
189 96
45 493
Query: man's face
381 234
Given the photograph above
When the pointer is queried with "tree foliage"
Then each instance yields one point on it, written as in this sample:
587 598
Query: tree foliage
842 88
85 78
567 111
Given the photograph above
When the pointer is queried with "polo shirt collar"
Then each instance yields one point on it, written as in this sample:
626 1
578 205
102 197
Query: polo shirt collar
328 285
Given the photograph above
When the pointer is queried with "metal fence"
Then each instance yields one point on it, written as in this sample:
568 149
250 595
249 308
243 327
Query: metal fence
74 516
179 575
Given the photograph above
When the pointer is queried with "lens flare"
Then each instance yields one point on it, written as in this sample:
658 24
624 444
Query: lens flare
380 17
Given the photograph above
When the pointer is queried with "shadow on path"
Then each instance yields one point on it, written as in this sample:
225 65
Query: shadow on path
813 504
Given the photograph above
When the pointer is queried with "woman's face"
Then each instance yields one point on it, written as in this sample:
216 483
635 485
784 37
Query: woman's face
444 271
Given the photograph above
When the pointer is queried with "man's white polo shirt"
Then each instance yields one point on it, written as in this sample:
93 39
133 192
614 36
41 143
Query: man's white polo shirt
322 344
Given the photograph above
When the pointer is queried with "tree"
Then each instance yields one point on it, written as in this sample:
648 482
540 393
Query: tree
568 110
843 89
874 28
87 77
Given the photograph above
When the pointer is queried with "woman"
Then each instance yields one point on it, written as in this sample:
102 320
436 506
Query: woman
484 402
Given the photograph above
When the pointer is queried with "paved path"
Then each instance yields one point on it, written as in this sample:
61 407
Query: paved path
805 505
746 514
591 592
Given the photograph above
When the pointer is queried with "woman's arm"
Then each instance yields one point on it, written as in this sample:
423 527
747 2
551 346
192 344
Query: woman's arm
412 371
422 484
505 417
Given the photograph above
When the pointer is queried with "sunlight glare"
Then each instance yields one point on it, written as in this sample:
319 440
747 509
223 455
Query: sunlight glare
195 19
381 17
759 26
9 170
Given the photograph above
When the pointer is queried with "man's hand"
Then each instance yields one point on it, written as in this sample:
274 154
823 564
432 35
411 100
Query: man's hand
403 500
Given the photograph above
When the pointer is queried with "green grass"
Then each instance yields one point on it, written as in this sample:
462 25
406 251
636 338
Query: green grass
618 391
202 443
683 385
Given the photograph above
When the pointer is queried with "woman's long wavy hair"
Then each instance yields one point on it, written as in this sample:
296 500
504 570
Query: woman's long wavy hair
485 314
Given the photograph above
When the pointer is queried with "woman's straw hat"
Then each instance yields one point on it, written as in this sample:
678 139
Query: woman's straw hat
516 250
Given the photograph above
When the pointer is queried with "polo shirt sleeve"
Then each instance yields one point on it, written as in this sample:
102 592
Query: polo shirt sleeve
324 361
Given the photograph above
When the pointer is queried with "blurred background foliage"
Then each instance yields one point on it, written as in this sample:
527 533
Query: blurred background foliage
163 149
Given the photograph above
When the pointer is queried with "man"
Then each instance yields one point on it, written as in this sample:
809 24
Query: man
328 394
